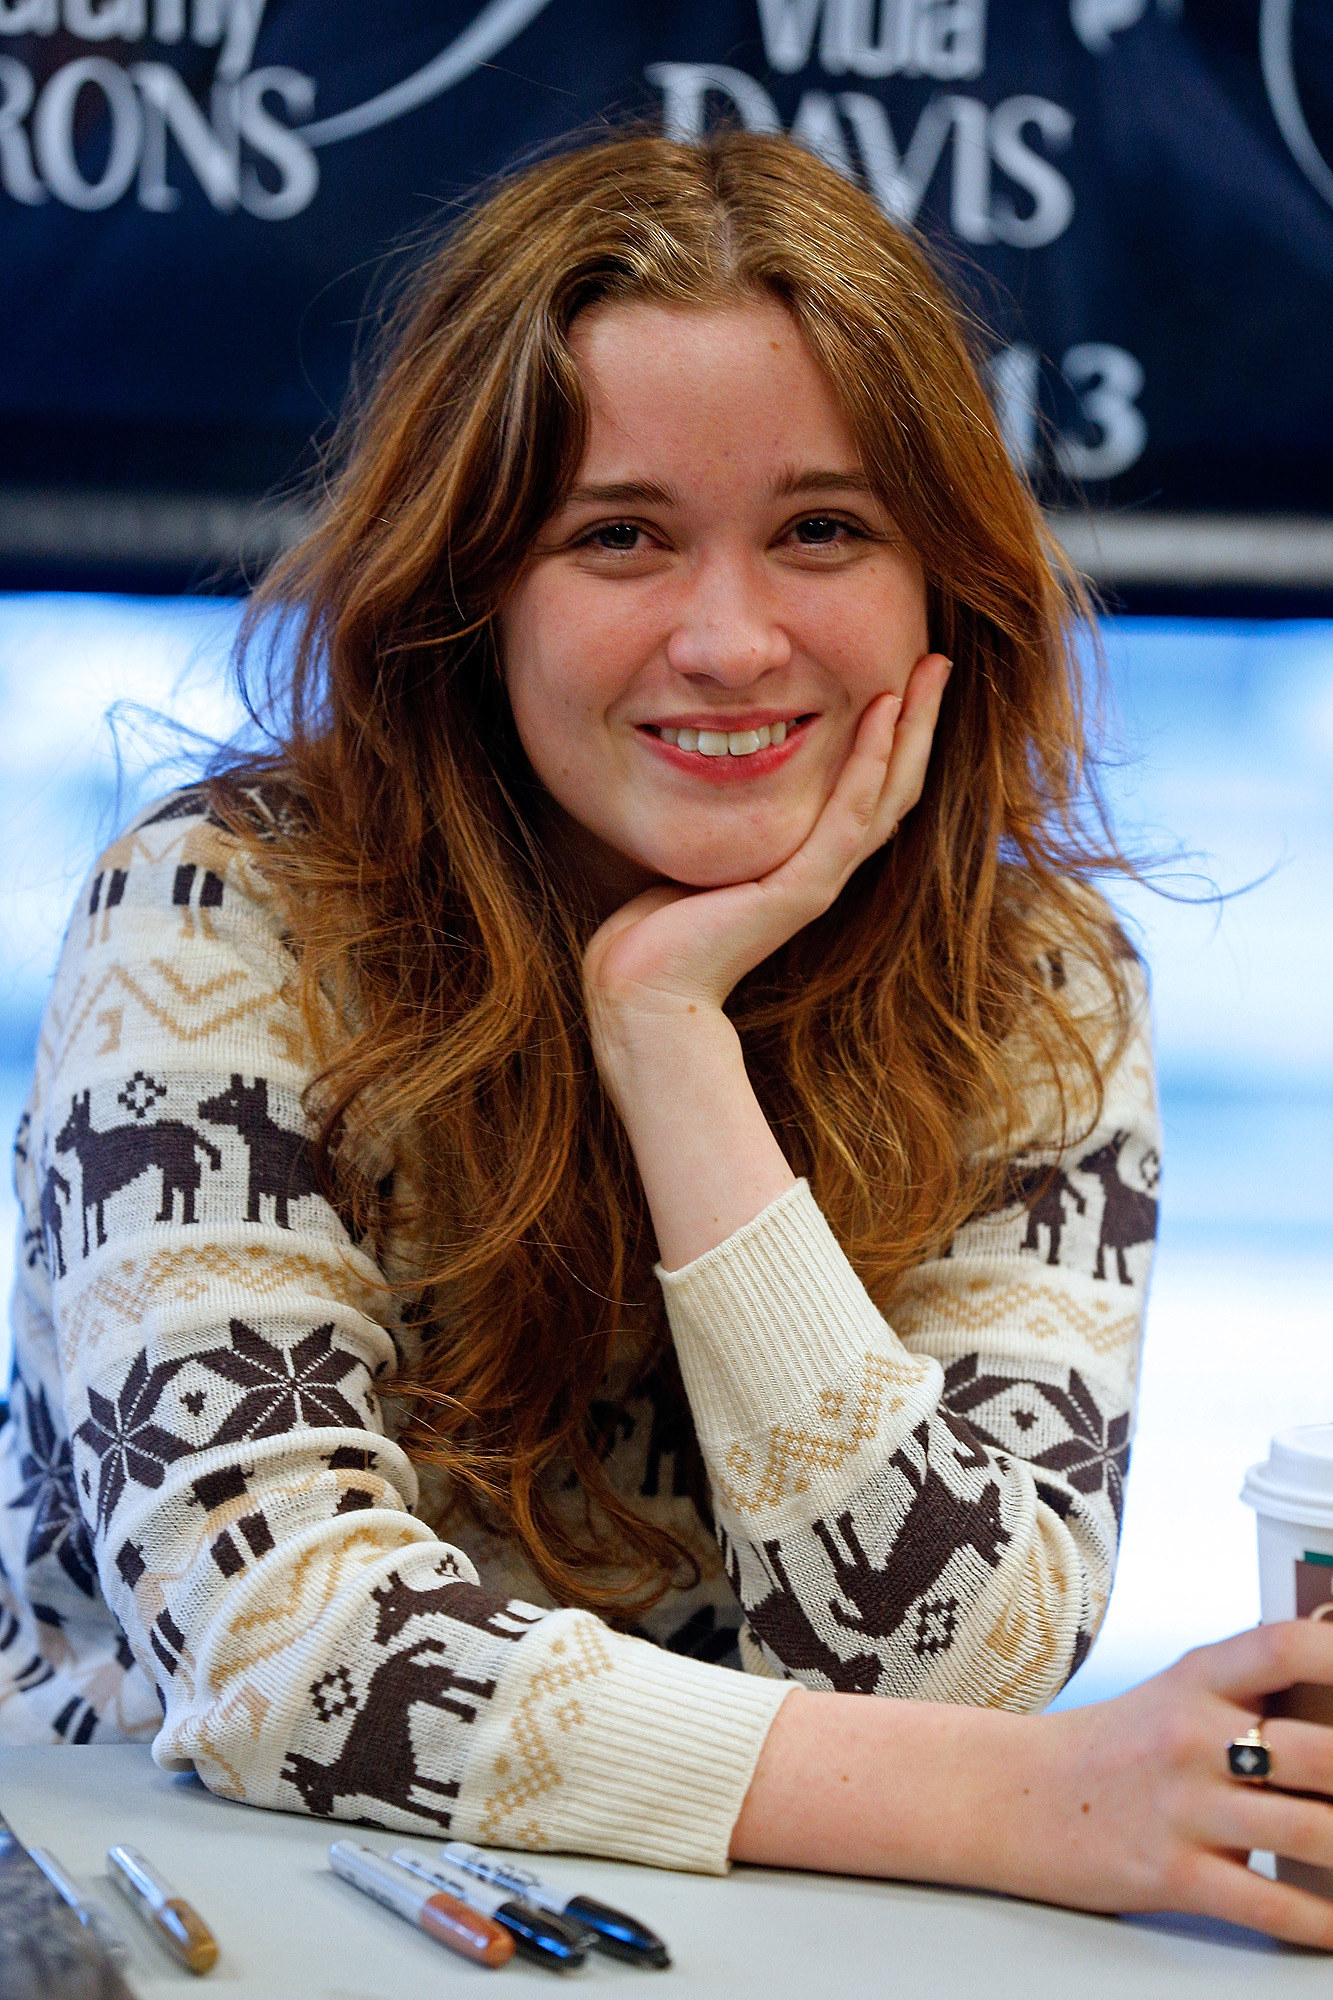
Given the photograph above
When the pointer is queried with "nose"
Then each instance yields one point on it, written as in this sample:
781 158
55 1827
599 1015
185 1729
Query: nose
727 630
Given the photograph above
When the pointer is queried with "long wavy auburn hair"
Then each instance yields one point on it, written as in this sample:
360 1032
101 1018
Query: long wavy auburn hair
438 933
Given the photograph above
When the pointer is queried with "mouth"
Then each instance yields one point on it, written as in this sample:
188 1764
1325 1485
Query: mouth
749 747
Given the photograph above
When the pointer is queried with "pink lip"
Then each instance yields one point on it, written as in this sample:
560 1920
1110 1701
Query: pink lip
728 770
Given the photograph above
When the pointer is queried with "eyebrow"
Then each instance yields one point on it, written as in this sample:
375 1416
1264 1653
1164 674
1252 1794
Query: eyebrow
790 482
649 493
623 493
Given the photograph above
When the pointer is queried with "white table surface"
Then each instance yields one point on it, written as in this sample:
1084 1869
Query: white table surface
289 1930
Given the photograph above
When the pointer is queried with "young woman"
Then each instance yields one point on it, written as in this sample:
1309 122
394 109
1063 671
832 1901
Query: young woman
673 852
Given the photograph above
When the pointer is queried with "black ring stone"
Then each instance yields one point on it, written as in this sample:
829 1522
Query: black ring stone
1249 1760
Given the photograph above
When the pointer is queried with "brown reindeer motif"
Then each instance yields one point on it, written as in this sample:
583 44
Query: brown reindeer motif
937 1525
110 1160
1042 1191
465 1603
52 1221
378 1759
282 1165
1128 1216
782 1622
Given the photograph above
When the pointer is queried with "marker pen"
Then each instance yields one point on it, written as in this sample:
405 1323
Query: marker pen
550 1940
612 1931
88 1914
445 1918
181 1929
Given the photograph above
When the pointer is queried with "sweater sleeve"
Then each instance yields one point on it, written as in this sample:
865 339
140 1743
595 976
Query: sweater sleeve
223 1349
932 1508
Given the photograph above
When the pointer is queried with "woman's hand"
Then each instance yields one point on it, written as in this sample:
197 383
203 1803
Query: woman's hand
671 948
657 973
1155 1821
1125 1805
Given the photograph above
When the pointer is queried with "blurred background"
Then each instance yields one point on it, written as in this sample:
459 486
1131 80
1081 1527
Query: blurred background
204 204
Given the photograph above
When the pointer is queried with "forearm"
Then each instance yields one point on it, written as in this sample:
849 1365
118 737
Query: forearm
705 1151
919 1791
1123 1805
1027 1805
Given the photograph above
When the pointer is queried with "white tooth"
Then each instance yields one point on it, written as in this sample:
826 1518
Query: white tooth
687 739
742 742
765 735
778 734
713 743
669 735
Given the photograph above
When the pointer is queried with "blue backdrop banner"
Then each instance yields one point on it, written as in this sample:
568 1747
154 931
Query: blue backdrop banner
198 197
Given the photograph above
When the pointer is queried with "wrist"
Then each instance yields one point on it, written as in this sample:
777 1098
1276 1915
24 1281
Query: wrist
687 1047
920 1791
707 1155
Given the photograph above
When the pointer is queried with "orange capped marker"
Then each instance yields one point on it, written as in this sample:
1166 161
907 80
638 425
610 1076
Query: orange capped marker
444 1917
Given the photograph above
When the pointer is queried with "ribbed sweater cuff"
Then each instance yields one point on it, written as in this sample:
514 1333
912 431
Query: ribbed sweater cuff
765 1323
610 1745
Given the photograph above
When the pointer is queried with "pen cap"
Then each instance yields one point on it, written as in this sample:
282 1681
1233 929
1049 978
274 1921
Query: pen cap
181 1927
542 1936
467 1931
616 1934
194 1941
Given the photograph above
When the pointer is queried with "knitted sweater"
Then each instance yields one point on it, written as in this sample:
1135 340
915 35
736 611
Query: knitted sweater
209 1537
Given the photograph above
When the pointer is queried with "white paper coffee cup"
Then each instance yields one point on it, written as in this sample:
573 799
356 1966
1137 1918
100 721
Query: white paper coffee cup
1292 1495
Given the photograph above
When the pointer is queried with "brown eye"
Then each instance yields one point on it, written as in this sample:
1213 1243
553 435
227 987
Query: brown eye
819 529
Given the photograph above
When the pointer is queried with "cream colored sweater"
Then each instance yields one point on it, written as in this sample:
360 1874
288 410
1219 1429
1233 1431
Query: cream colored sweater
209 1537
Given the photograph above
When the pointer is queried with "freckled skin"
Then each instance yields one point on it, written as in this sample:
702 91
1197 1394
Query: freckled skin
712 600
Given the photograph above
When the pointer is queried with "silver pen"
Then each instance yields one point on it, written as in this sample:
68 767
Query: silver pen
94 1920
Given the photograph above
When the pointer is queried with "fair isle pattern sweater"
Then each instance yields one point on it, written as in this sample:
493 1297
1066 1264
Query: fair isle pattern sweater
209 1538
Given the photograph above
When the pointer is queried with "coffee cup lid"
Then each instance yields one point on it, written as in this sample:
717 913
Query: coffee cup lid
1295 1482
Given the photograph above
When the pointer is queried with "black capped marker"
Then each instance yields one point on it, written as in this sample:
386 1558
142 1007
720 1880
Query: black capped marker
538 1934
612 1931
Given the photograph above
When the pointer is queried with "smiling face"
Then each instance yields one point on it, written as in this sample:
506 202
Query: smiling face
705 618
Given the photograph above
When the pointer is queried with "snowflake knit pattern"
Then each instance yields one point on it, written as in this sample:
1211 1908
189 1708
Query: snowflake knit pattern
209 1537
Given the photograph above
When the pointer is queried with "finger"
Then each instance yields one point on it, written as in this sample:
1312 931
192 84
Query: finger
1264 1659
1252 1816
838 840
623 919
641 906
1302 1755
1228 1889
913 739
876 786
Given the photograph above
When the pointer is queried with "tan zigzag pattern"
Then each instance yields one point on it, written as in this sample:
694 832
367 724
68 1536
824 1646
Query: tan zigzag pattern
761 1478
977 1305
241 1714
299 1591
549 1700
1023 1637
125 1294
159 1589
116 979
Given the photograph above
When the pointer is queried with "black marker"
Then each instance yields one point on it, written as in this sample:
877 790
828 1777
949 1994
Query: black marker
612 1931
539 1935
